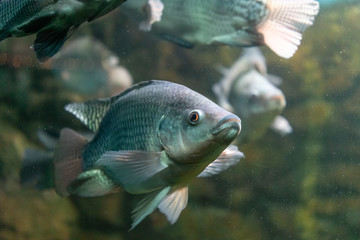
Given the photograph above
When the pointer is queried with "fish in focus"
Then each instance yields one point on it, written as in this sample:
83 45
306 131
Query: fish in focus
87 67
152 139
278 24
52 21
246 91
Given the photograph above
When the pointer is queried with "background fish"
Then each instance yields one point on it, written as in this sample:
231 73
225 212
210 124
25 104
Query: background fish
278 24
249 94
86 66
151 139
53 21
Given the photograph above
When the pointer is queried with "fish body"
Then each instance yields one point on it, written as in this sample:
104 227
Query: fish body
152 139
52 20
278 24
246 91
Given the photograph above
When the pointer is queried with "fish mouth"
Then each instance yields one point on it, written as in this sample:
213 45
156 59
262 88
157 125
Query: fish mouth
280 101
230 122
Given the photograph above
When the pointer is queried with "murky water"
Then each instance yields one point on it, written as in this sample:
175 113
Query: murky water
305 185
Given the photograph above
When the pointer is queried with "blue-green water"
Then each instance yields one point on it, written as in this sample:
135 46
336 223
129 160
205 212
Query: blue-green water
302 186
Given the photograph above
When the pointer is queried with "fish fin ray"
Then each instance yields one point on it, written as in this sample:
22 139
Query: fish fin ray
68 162
287 20
91 183
130 167
90 113
147 205
173 203
229 157
48 42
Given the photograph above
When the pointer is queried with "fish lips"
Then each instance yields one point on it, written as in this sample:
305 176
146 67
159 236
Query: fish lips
227 125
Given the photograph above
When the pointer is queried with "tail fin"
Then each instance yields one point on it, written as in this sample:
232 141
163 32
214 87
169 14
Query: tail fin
68 160
287 20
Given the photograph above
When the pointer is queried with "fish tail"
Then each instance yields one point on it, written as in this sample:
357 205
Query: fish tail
287 20
68 161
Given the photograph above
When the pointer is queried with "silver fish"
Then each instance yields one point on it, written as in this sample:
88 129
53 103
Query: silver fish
248 93
52 21
278 24
151 139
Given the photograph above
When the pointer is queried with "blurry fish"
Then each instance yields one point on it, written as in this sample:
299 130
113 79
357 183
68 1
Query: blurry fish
151 139
278 24
52 20
37 167
248 93
87 66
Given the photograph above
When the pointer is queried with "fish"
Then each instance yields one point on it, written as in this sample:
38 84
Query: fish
151 139
52 21
87 67
277 24
246 91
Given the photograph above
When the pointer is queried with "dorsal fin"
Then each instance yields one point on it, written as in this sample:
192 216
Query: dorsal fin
92 112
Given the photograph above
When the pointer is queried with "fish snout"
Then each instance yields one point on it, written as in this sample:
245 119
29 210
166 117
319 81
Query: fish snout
230 122
279 100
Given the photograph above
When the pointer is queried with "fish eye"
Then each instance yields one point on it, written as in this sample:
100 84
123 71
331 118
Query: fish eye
195 116
252 98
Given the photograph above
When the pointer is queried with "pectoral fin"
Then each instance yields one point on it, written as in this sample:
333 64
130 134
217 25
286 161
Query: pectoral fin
129 168
48 42
147 205
229 157
174 203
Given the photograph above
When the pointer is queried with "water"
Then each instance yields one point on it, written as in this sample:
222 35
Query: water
302 186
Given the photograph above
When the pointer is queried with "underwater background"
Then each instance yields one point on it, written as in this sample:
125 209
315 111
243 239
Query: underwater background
305 185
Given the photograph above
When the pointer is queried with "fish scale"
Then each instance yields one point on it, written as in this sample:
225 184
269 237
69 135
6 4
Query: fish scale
132 125
14 14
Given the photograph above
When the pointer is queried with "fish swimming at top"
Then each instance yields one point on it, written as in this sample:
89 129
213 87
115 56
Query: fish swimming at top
151 139
278 24
53 21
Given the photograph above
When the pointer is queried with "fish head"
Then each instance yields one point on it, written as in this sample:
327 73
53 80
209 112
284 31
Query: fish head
253 94
198 132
